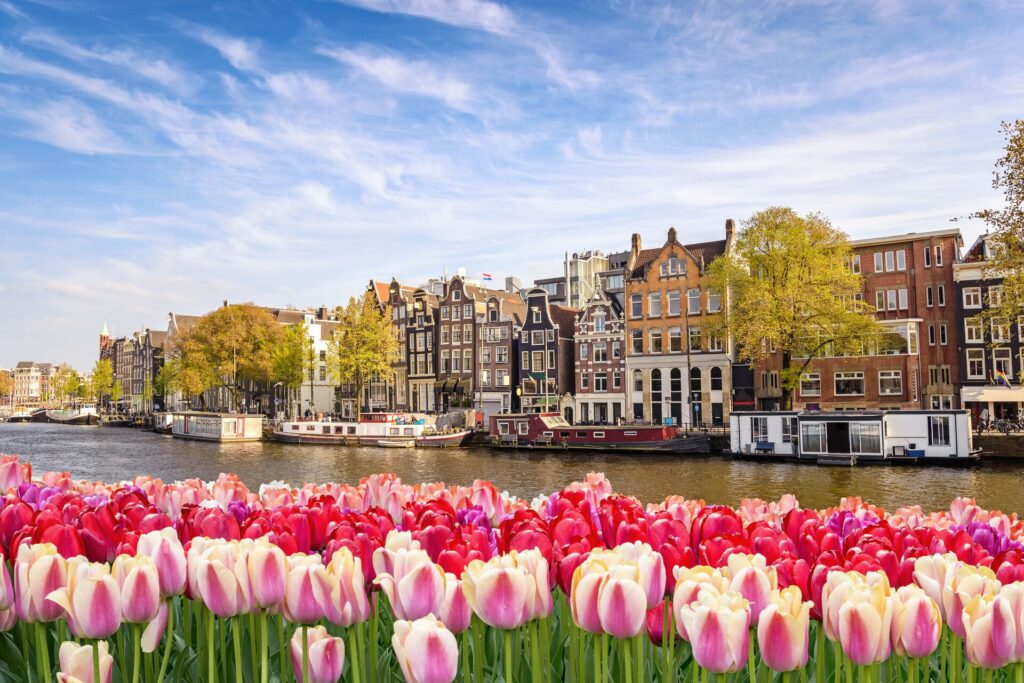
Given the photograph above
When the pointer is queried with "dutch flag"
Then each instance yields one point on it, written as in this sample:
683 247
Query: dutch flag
487 276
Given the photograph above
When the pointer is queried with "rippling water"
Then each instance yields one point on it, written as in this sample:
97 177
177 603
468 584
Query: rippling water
112 454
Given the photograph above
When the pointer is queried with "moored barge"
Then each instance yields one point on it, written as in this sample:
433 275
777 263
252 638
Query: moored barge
552 431
370 430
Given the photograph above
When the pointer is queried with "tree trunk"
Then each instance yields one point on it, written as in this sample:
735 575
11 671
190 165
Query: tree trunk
787 391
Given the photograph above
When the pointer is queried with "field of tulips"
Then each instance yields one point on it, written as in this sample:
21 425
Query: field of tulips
146 580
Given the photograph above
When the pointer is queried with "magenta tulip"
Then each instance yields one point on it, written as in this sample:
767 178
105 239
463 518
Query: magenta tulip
498 590
267 567
750 576
718 625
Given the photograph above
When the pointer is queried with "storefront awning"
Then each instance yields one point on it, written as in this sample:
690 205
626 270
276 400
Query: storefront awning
441 385
991 394
544 401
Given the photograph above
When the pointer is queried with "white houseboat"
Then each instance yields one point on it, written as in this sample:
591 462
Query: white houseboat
371 429
224 427
854 437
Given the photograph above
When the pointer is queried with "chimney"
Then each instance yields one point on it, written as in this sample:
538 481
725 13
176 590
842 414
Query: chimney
672 235
225 303
636 243
730 228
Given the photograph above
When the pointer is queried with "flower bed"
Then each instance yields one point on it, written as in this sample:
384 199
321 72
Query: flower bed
211 581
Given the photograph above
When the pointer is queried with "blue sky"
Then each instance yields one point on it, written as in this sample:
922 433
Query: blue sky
160 157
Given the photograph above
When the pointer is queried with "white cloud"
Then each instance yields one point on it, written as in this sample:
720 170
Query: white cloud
67 124
401 75
240 53
481 15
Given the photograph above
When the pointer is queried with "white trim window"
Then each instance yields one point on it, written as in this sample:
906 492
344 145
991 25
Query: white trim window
995 295
789 429
636 305
890 261
1000 331
938 255
880 300
940 295
975 363
849 383
938 430
972 297
901 259
855 263
1002 361
902 293
813 438
890 382
654 305
693 301
973 331
810 384
759 429
927 257
878 262
943 336
891 299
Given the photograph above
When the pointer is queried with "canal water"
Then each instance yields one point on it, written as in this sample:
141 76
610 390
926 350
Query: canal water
112 454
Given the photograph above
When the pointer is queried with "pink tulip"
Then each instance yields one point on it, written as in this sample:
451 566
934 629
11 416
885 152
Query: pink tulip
155 629
166 551
140 587
13 473
414 586
916 623
91 599
8 619
1013 595
833 595
455 610
38 571
622 602
222 580
964 582
865 623
426 650
267 567
308 590
989 630
326 655
583 594
539 602
349 602
651 567
783 632
689 583
930 574
76 663
719 628
498 590
750 577
384 558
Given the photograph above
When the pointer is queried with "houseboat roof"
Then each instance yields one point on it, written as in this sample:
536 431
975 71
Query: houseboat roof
203 413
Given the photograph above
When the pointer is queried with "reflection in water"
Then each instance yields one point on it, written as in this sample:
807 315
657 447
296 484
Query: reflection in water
115 454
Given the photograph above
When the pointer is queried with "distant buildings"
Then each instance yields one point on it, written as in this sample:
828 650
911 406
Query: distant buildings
32 383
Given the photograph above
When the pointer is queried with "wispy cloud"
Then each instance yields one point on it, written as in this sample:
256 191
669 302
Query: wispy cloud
240 53
482 15
66 124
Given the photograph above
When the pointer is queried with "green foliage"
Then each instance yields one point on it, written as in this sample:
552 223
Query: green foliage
291 357
790 287
6 384
102 378
116 392
363 345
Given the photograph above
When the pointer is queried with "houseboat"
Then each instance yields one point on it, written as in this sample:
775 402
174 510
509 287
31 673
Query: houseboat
370 430
854 437
84 415
223 427
20 416
552 431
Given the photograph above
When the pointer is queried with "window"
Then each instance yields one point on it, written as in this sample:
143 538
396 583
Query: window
501 354
456 295
584 350
654 305
526 360
1000 331
636 305
938 430
972 297
942 402
693 301
938 255
444 313
523 427
927 257
638 381
759 429
675 340
849 383
616 350
943 337
673 302
637 339
788 429
323 374
773 379
584 380
972 331
600 381
456 334
928 298
501 377
890 262
716 378
444 334
903 299
537 337
456 361
656 341
551 359
538 361
715 343
694 337
600 352
714 302
901 259
866 437
599 322
485 378
878 262
855 263
467 333
891 299
976 363
890 382
880 300
812 436
931 335
810 384
673 266
941 294
995 295
444 361
1001 362
550 334
492 315
536 315
485 354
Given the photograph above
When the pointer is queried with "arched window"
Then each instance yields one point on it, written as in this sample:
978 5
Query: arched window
656 411
695 379
638 381
716 378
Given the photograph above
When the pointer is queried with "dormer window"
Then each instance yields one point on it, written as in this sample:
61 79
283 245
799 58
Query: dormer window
456 295
673 266
536 314
599 322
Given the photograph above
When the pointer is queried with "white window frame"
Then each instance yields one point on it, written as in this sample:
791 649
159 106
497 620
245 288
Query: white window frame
975 356
878 262
972 297
808 377
850 375
890 375
901 259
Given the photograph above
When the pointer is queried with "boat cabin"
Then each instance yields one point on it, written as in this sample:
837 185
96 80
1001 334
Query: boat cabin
224 427
851 436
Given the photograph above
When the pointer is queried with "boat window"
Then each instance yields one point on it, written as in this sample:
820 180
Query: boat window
581 435
564 435
759 428
310 428
938 430
549 433
339 430
327 430
352 430
393 431
503 427
523 427
866 437
407 431
295 428
598 435
629 433
812 437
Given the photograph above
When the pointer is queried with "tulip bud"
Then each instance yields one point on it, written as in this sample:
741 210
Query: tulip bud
326 654
498 590
718 625
414 586
140 587
989 631
308 589
455 610
865 623
38 571
916 623
91 599
750 577
426 651
166 551
964 582
689 583
349 602
783 632
267 567
76 663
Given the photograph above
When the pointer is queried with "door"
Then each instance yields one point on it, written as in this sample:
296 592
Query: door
838 434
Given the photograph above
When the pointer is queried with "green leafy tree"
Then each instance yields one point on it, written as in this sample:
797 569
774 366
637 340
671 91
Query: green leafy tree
102 378
147 394
6 384
789 286
116 393
64 384
294 358
363 345
1006 240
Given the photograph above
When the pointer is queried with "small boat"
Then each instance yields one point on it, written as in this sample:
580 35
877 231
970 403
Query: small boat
223 427
369 430
396 443
20 417
83 416
454 439
552 431
39 415
162 422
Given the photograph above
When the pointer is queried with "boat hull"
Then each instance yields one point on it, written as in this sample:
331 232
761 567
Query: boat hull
19 418
83 420
455 440
693 445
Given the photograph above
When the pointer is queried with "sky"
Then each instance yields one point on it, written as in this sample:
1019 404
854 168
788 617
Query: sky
159 157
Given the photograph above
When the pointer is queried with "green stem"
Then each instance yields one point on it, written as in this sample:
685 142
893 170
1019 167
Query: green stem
353 646
374 641
819 657
751 662
465 656
638 658
479 649
597 664
96 661
236 638
848 665
1019 673
628 660
168 642
837 660
305 654
264 648
211 659
282 650
42 663
785 677
136 651
533 629
508 656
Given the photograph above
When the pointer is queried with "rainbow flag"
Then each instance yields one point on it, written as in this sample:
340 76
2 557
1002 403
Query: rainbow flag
1001 378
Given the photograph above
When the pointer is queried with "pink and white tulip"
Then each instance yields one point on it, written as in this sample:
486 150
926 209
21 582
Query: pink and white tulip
455 610
91 600
750 576
865 622
222 580
76 663
326 655
916 623
718 625
990 632
164 548
349 602
426 650
38 571
498 590
267 567
140 587
783 631
414 586
964 582
308 590
689 583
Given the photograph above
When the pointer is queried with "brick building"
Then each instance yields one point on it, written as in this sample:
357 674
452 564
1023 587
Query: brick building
546 349
420 350
498 346
600 343
909 280
674 369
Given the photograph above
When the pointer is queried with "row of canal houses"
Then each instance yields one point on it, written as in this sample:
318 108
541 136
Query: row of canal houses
623 337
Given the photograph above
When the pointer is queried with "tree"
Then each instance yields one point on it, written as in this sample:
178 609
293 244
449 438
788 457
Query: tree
102 378
1006 241
363 345
227 347
294 359
116 393
64 383
147 394
789 286
6 384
